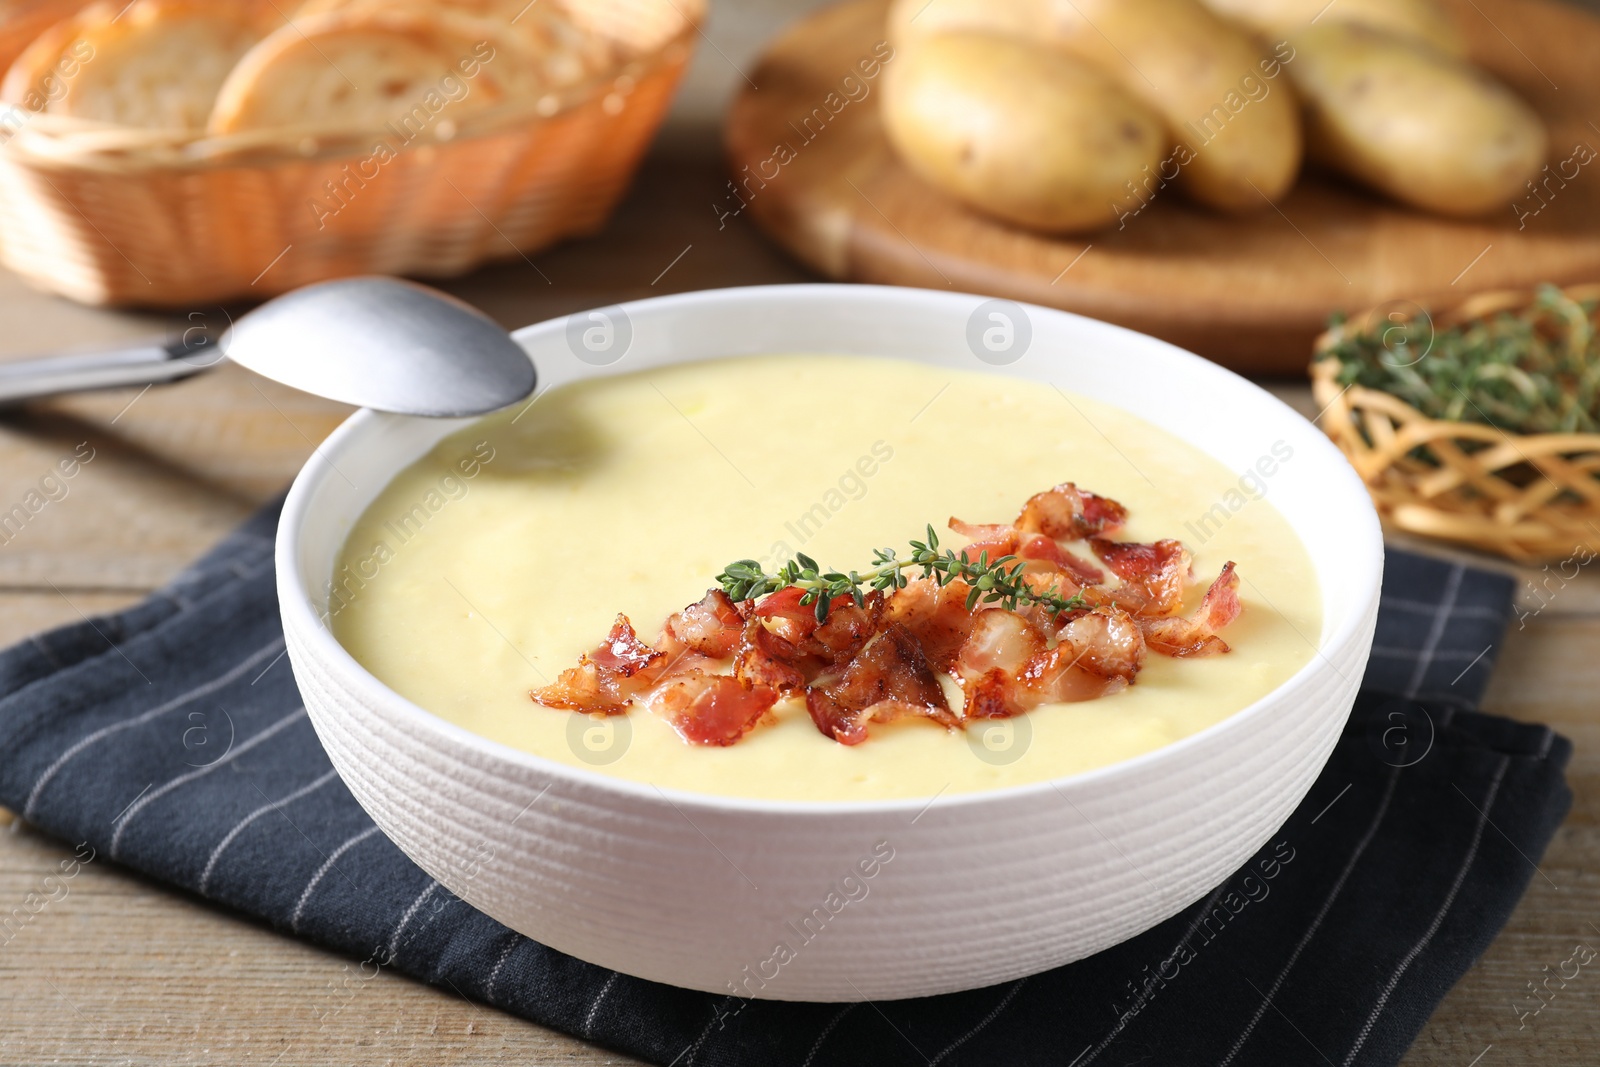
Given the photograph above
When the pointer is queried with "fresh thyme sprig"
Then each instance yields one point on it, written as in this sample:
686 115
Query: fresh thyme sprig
993 581
1535 370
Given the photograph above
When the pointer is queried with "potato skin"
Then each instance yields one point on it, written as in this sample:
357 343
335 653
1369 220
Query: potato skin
1412 122
911 21
1019 132
1419 20
1237 127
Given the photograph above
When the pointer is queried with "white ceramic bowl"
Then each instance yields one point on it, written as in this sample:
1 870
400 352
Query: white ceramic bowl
699 891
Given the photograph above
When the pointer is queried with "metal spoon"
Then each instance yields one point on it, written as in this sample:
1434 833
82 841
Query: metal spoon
374 342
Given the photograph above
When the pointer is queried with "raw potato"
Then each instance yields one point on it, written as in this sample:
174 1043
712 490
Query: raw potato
1420 20
1412 122
911 21
360 68
1235 124
156 64
1018 131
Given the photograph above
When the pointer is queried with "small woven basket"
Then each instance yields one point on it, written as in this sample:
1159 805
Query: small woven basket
1528 497
111 215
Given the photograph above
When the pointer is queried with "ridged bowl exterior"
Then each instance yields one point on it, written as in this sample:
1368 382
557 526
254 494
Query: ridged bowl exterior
966 890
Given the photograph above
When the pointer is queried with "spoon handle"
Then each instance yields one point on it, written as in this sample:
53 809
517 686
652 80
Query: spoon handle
142 365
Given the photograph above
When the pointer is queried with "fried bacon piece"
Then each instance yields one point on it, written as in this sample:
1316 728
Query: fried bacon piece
1039 548
764 658
1067 513
584 688
786 616
1196 634
999 640
1006 667
599 682
876 661
1154 576
849 627
1056 583
711 627
712 709
623 653
889 678
794 621
812 646
1000 540
936 616
1058 676
1106 643
996 651
996 539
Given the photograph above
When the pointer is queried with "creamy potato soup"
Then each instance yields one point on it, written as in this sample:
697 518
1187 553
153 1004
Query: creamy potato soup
487 568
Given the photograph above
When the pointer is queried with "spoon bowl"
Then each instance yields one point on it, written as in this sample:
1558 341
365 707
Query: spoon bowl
384 344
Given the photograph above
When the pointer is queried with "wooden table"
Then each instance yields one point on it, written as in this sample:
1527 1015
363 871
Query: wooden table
125 971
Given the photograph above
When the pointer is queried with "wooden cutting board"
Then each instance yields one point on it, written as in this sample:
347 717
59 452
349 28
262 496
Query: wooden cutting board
1249 292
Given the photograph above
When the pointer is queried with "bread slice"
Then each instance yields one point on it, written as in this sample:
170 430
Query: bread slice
360 69
549 49
153 64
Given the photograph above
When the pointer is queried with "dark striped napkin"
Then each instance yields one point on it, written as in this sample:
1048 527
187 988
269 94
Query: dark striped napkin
171 739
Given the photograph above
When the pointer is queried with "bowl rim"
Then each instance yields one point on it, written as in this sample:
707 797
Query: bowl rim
295 602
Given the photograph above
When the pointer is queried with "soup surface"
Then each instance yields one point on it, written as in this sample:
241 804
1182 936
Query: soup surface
490 565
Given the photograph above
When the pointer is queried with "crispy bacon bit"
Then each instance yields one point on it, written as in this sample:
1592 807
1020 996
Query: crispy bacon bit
1038 547
875 661
786 616
888 679
1041 549
848 628
1108 644
596 684
711 627
995 653
623 653
1036 551
937 617
1057 583
1006 668
1196 635
1067 513
1000 540
1058 676
991 540
1101 512
584 688
982 531
764 658
790 619
992 695
999 640
1153 576
712 709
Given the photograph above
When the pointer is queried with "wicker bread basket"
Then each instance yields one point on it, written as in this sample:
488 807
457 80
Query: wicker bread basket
23 20
1528 497
112 215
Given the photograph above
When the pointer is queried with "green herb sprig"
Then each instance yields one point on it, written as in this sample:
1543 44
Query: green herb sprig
1533 371
993 581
